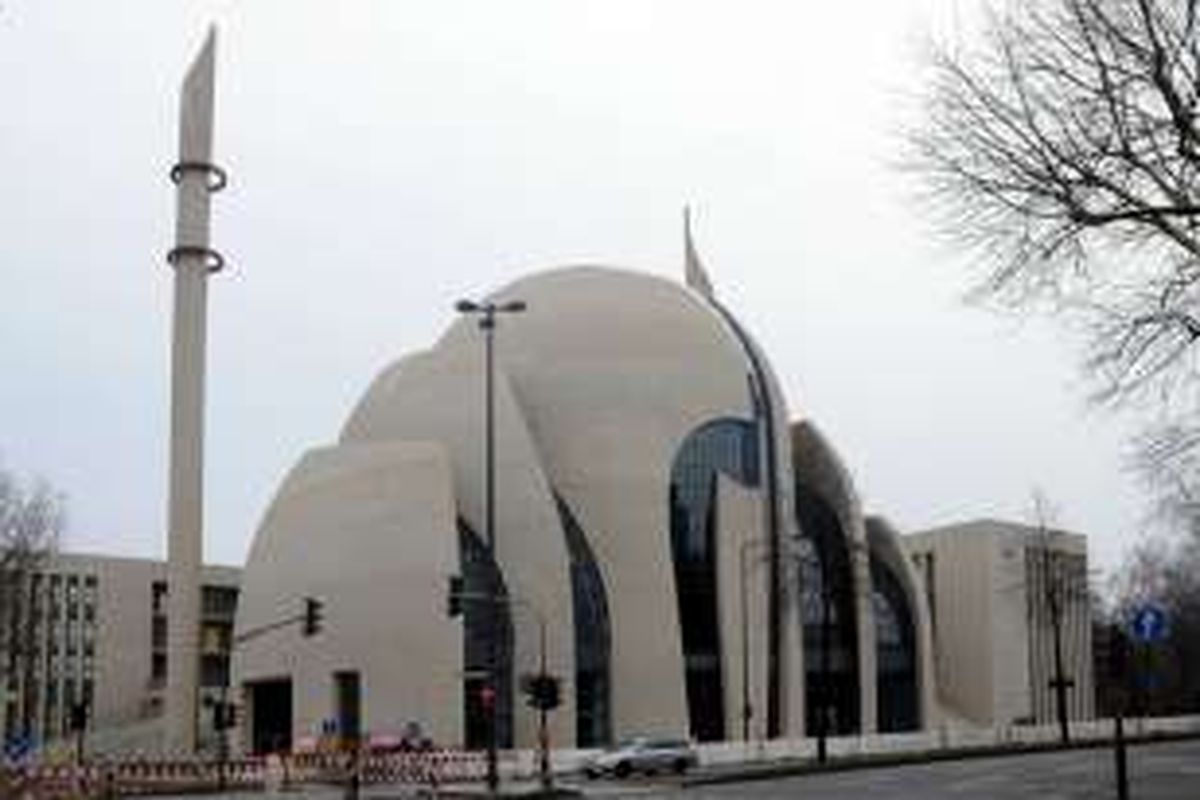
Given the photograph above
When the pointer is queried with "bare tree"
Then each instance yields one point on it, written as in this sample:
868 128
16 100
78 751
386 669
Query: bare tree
31 521
1167 572
1065 152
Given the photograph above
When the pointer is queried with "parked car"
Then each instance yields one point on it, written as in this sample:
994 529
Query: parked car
645 755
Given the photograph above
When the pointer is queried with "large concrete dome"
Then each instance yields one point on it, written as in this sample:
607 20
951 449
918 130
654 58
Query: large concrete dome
599 383
642 452
592 342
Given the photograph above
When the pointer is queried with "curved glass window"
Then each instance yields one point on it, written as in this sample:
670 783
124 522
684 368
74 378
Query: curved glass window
723 446
482 578
764 416
593 640
896 653
827 610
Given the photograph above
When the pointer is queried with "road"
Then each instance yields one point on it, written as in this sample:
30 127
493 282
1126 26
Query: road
1168 771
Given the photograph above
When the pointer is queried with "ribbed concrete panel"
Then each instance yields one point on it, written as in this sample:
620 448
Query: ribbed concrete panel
370 530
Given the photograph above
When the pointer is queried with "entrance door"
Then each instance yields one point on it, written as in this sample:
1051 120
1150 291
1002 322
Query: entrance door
271 715
348 699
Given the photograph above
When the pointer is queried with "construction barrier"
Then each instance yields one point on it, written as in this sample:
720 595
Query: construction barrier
423 769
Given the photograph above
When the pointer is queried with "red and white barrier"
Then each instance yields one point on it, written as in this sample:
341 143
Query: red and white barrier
426 768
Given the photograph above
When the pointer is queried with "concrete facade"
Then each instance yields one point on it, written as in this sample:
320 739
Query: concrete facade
641 440
990 587
100 637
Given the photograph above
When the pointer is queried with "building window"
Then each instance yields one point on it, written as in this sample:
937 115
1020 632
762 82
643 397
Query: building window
214 671
482 578
895 653
158 669
828 612
723 446
219 601
158 633
593 639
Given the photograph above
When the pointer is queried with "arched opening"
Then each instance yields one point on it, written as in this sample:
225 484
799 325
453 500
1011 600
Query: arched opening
483 579
593 638
829 617
895 653
723 446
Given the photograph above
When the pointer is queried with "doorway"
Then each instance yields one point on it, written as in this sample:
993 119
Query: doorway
270 715
347 687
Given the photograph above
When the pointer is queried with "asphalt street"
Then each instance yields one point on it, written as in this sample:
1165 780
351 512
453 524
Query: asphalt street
1169 771
1166 771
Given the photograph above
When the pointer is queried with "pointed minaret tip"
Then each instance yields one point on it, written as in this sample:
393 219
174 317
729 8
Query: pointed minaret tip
693 270
196 103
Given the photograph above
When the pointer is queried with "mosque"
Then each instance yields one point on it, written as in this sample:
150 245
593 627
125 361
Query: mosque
685 552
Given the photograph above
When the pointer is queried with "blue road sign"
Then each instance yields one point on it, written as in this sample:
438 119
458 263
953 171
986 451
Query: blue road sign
17 747
1149 624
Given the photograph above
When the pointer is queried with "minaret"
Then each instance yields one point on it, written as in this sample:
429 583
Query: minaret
195 178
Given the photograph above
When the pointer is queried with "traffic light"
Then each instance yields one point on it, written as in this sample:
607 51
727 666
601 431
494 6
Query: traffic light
314 611
454 597
78 717
542 692
225 716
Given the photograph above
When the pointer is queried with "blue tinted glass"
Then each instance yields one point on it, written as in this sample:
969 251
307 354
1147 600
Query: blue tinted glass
828 611
482 578
896 654
729 447
593 641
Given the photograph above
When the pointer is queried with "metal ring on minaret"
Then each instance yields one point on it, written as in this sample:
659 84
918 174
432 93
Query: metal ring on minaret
214 261
216 177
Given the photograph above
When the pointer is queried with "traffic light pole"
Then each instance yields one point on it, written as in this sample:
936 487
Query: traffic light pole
457 597
543 728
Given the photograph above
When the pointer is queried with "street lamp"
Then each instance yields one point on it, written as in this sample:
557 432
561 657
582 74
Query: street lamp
486 312
747 708
793 552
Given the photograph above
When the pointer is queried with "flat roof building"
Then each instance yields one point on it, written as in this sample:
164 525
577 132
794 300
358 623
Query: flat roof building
94 632
996 593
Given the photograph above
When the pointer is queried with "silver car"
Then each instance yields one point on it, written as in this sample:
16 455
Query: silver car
645 755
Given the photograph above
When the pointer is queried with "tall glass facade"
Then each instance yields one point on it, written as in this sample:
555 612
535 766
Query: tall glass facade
828 613
896 653
723 446
593 638
481 579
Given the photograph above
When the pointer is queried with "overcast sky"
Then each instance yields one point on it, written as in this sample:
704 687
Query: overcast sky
389 157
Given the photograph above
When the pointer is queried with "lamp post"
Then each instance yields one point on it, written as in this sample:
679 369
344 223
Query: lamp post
486 312
793 552
747 707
